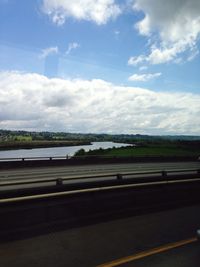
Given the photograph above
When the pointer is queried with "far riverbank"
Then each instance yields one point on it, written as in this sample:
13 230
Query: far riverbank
14 145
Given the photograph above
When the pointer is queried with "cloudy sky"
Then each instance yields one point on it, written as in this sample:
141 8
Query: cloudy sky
103 66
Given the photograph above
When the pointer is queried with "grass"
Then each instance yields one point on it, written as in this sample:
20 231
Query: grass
22 138
157 150
150 151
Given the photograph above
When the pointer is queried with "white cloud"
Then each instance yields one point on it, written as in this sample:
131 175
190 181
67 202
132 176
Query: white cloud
161 55
136 60
193 54
144 77
72 46
49 51
143 68
99 11
34 102
174 19
176 24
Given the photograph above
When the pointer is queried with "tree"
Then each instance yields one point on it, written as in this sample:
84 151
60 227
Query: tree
80 152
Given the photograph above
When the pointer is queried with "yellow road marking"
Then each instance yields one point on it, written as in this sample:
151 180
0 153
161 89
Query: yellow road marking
148 252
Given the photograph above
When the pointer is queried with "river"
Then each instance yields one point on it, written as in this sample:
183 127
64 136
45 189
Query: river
56 151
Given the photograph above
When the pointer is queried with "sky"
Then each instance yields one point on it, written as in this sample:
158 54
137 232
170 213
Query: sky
103 66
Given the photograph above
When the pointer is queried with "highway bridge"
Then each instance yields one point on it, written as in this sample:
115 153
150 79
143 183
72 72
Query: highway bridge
133 214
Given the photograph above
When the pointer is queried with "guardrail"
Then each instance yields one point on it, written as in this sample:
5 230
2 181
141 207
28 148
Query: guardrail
67 157
35 158
95 189
116 176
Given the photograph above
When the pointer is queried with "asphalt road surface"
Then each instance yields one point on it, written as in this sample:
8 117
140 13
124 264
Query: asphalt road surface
97 244
183 256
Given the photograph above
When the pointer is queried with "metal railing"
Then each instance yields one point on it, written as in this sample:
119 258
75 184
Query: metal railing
163 179
94 189
34 158
67 157
115 176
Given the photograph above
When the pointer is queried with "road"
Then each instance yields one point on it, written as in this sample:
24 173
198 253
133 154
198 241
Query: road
100 243
184 256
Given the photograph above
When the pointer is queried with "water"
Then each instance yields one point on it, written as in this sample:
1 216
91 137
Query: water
56 151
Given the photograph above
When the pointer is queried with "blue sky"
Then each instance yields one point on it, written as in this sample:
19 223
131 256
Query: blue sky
127 44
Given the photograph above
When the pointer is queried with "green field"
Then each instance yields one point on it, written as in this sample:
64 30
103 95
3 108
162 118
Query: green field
22 138
153 150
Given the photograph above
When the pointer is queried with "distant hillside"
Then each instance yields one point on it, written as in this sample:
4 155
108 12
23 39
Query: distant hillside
8 135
